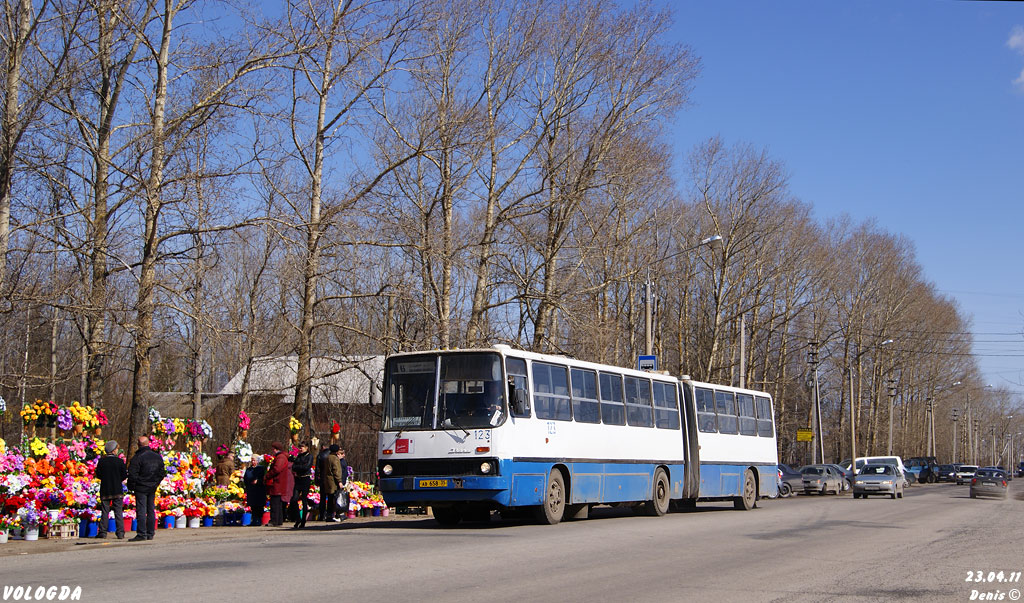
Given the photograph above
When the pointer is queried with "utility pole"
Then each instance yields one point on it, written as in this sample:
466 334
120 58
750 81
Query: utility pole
956 415
892 397
819 448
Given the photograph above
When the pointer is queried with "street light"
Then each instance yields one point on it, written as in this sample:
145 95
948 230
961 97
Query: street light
712 241
956 415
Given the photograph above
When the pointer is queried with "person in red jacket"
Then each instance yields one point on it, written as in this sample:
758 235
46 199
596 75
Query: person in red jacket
277 483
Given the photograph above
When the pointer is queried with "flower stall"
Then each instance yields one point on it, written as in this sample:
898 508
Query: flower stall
47 486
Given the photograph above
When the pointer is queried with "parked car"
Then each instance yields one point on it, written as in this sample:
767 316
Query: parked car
847 475
822 479
964 473
1009 475
945 473
989 481
791 481
1020 469
922 468
878 479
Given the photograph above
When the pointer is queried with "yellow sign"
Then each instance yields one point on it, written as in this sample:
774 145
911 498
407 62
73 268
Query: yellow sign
804 435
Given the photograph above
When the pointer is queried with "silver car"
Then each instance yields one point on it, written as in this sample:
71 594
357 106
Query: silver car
822 479
878 479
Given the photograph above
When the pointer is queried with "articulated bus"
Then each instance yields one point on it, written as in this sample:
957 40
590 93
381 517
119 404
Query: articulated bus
470 431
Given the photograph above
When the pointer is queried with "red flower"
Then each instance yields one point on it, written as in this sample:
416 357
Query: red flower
335 428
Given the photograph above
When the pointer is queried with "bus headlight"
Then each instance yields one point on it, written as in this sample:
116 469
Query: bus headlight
485 467
387 469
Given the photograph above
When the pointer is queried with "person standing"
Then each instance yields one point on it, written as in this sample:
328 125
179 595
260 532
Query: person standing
332 481
225 467
276 481
302 469
255 491
111 471
321 472
145 472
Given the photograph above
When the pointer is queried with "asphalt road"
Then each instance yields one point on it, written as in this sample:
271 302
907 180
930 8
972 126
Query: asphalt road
809 548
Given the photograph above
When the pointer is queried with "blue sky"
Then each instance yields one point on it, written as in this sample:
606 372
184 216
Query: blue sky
910 112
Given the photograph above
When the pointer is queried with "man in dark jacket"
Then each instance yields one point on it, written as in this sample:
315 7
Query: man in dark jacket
111 471
321 471
145 473
277 480
302 469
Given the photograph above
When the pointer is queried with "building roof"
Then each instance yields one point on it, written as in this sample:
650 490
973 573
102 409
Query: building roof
337 380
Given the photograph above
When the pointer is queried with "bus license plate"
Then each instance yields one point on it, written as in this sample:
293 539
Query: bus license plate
433 483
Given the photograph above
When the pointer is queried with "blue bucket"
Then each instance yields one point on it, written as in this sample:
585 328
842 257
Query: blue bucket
246 518
207 522
83 528
112 525
169 522
94 529
135 525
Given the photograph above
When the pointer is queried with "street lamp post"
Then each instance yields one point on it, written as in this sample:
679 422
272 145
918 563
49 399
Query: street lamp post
892 397
712 241
820 448
956 415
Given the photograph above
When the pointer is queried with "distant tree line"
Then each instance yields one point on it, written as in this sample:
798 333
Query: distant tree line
186 186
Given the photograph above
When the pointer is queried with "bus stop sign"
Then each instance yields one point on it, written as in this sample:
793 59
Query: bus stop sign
647 363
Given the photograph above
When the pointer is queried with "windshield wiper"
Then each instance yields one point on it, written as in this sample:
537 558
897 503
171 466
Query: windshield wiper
450 419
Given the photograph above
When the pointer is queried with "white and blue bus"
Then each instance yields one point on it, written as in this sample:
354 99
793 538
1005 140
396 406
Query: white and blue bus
470 431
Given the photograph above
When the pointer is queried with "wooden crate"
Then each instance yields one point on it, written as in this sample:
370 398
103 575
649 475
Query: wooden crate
62 532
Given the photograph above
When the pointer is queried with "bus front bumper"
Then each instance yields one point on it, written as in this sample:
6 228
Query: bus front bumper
426 490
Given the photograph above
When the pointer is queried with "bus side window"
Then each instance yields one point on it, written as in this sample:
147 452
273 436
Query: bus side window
725 406
764 417
638 402
748 424
518 386
666 410
705 401
585 407
613 411
551 391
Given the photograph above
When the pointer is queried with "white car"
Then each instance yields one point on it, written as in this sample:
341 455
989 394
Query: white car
964 474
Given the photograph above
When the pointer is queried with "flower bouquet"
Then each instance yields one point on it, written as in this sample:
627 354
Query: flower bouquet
294 425
243 451
243 424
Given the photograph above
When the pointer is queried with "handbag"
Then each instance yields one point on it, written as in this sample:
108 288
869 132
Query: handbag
341 501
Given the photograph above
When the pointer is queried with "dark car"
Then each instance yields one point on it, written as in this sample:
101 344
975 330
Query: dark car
945 473
1009 474
1020 469
790 480
989 481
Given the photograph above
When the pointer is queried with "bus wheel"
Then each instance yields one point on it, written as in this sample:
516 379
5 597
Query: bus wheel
447 516
749 498
658 505
553 507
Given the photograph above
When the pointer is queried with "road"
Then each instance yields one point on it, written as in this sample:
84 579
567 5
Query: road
807 548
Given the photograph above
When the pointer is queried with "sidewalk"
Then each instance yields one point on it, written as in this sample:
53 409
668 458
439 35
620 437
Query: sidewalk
192 535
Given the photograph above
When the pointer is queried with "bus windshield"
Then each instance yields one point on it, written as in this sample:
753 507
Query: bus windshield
409 394
471 393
